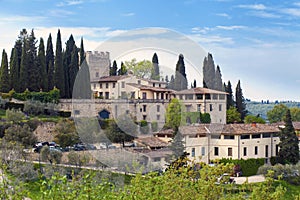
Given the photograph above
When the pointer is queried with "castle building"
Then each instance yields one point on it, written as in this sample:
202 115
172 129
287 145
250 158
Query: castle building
99 64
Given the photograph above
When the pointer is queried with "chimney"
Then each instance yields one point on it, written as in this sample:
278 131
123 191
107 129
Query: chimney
253 124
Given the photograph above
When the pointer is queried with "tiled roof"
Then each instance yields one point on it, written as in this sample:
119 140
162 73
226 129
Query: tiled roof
151 142
111 78
146 87
169 132
200 90
228 129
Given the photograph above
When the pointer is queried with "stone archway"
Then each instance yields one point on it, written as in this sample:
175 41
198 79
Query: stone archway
104 114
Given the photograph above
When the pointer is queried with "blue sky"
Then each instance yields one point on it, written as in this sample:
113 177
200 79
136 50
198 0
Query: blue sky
257 42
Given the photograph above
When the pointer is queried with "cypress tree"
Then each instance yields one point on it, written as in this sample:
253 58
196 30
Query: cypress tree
240 101
155 71
43 80
70 45
33 70
81 52
209 72
59 81
230 101
73 68
50 64
24 66
113 69
195 83
82 85
4 74
171 83
122 70
218 80
180 75
14 70
289 144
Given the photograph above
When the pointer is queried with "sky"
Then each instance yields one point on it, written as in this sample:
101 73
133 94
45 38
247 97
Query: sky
257 42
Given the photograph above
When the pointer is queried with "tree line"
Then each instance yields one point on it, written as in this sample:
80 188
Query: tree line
35 68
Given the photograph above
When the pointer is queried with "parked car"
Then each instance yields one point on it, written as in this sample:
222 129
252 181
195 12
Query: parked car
90 147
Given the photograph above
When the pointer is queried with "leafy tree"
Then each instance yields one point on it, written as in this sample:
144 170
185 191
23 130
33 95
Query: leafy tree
113 70
277 113
230 102
173 114
53 156
155 75
50 64
66 134
240 101
295 113
289 144
21 134
32 107
78 159
14 116
81 52
4 74
254 119
232 115
180 81
122 70
59 79
140 69
41 63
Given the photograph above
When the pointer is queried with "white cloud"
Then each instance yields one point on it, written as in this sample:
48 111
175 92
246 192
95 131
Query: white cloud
224 15
295 12
211 39
128 14
264 14
60 13
253 6
20 19
229 28
69 3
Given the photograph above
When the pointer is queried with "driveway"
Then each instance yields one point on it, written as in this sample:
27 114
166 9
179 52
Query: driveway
251 179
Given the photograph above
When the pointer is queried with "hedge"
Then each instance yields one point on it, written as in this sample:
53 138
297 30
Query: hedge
194 117
249 166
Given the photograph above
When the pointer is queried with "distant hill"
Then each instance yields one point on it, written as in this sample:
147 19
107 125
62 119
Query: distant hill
261 108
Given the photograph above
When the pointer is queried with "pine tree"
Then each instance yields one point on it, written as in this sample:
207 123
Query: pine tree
81 52
209 72
43 79
4 74
50 64
155 71
14 70
240 101
218 80
180 81
59 81
228 89
113 69
33 70
289 144
73 68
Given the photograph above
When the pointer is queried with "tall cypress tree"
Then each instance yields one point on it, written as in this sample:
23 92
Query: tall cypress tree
24 66
209 72
113 69
59 81
33 70
230 101
4 74
180 81
43 80
82 85
73 68
240 101
81 52
289 144
218 80
14 70
50 64
122 70
70 45
155 71
171 83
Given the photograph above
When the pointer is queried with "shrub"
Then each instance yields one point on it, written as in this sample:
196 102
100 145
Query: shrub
154 126
144 127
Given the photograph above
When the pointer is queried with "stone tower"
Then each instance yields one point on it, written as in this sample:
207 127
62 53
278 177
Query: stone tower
99 64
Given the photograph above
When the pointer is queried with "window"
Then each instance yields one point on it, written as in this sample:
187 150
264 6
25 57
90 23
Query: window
221 96
216 151
255 136
123 84
106 95
188 120
199 107
180 97
158 108
159 85
144 108
144 95
101 94
229 151
199 96
123 95
127 112
94 85
139 82
76 112
189 96
245 151
100 85
202 151
267 151
106 85
161 95
188 108
210 107
207 96
277 149
144 117
220 107
114 85
266 135
215 136
97 74
153 84
243 137
215 96
255 150
193 152
157 117
132 95
228 137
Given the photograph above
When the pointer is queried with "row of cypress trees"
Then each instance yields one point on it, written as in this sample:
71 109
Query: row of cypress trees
36 69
